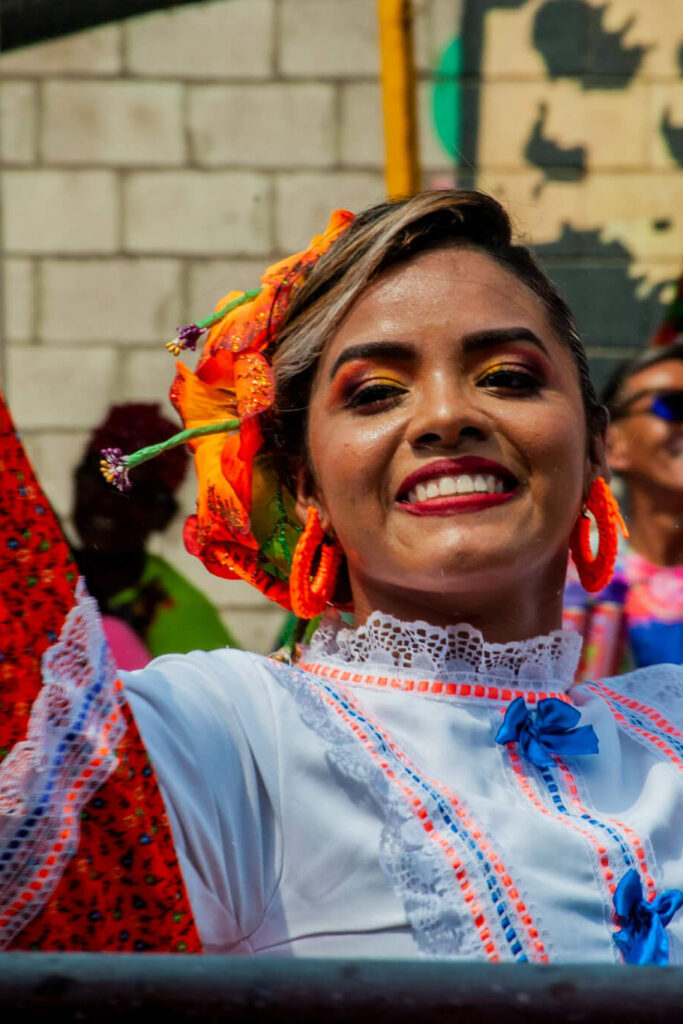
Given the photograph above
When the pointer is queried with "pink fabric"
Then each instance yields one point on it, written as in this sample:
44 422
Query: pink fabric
127 648
655 591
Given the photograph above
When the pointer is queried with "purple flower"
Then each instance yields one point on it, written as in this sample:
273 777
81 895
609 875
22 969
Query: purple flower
187 337
114 468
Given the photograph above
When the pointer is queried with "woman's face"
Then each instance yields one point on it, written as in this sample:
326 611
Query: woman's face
645 448
447 436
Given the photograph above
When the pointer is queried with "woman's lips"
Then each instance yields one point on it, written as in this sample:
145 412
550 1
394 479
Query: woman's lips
448 486
456 503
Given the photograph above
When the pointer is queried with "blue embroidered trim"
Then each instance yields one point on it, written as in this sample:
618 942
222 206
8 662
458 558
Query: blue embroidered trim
456 830
554 791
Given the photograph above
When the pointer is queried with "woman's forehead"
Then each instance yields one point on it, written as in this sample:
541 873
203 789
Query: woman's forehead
461 290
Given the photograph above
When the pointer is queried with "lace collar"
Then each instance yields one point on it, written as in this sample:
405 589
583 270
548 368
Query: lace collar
457 654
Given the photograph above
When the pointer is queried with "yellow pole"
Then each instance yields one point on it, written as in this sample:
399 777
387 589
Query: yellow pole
398 97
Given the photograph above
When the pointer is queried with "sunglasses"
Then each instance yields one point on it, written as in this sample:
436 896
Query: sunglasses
667 405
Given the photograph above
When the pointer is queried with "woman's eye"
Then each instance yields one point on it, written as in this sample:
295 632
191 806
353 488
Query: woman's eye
510 379
378 393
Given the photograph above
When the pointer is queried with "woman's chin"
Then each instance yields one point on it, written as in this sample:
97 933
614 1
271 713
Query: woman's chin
456 575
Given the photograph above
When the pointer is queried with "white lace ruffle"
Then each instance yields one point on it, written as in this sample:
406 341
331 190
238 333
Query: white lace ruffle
45 780
454 653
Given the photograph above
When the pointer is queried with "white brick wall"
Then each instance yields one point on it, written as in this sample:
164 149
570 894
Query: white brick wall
18 109
210 40
197 213
325 38
19 299
304 201
260 126
51 211
98 301
146 376
64 387
113 123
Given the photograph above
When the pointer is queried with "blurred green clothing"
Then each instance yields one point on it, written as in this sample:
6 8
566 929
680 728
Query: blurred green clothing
169 614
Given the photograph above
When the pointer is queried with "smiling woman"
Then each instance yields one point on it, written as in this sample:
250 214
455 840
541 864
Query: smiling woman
429 781
434 458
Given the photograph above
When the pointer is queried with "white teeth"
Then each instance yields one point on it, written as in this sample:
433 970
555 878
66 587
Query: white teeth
461 484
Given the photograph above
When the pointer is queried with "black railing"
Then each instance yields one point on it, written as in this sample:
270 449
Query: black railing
131 989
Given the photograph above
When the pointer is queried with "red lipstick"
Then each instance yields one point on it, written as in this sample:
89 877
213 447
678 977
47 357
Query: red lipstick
444 505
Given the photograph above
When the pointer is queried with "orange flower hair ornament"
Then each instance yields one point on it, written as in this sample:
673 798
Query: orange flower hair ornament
595 571
245 527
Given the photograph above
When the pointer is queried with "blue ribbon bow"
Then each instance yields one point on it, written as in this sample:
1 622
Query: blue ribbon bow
549 729
642 939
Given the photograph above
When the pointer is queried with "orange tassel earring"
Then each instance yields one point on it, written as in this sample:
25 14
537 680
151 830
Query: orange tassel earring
310 597
595 571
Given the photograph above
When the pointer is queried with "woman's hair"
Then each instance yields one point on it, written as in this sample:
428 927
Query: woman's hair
382 237
614 388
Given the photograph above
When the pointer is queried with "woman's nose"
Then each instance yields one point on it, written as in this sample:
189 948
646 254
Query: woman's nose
445 414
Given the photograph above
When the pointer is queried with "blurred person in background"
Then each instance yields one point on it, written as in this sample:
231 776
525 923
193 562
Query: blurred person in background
637 620
148 607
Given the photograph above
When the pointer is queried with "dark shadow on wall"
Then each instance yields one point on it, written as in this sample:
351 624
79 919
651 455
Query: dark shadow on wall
558 163
574 42
24 22
614 309
673 136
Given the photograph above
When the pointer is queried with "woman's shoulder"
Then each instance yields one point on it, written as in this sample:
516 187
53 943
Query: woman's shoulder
209 716
200 666
202 688
655 688
651 679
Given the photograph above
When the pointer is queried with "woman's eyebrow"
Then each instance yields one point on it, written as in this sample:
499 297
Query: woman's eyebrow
493 337
374 350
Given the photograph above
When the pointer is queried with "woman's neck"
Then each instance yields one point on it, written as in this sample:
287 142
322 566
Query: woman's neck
503 614
656 527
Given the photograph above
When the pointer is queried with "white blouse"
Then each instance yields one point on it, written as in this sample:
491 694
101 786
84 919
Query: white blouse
359 805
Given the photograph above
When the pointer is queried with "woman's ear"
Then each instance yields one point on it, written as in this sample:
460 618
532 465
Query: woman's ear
307 494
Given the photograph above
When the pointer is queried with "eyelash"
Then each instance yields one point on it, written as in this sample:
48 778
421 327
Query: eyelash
510 378
383 393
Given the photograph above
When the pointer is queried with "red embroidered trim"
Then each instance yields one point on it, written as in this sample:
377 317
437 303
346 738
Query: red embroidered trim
434 688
